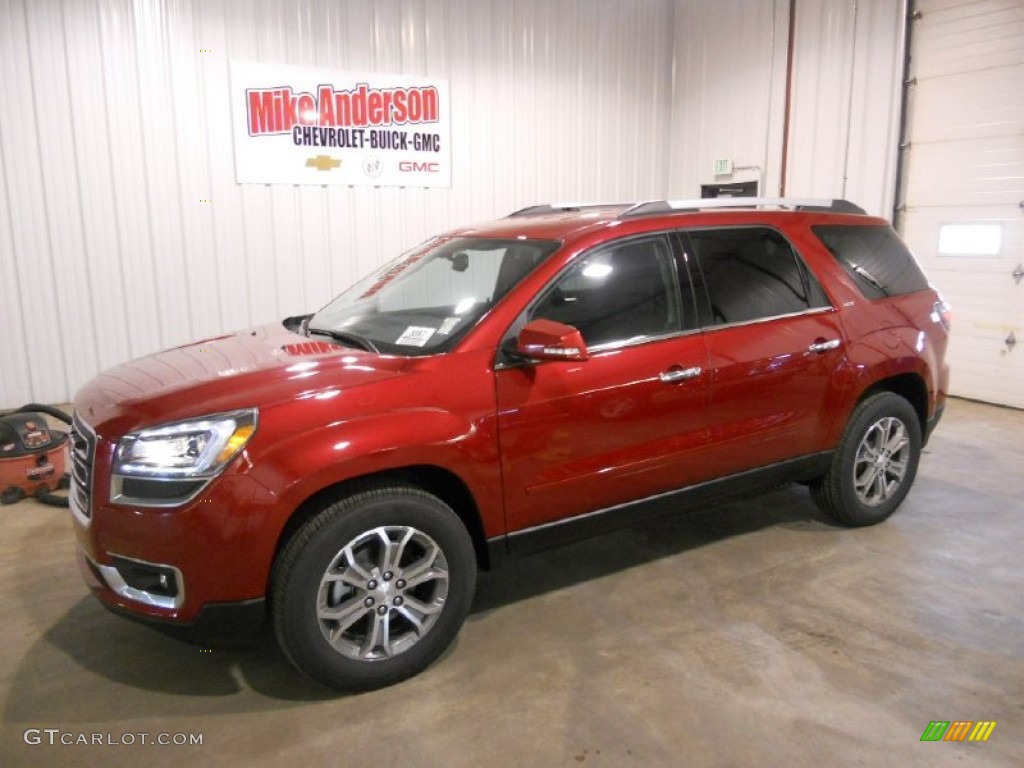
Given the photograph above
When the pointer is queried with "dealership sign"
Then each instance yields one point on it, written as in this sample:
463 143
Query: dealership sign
294 125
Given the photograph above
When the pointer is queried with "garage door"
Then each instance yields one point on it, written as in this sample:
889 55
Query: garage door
963 184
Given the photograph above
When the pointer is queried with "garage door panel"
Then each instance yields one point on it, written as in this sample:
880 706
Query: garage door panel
985 294
970 105
982 364
979 324
987 171
971 37
921 228
1008 216
957 9
976 385
986 325
986 348
965 165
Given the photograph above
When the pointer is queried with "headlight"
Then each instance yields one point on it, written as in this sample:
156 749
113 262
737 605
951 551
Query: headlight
188 449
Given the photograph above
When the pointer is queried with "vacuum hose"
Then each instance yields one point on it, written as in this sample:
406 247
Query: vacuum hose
49 410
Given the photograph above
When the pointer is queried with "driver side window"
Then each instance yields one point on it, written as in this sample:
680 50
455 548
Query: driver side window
616 294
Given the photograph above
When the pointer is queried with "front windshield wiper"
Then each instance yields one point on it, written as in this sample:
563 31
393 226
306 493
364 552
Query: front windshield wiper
348 338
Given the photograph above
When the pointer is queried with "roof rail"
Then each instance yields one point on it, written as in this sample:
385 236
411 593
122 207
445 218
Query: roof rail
537 210
824 205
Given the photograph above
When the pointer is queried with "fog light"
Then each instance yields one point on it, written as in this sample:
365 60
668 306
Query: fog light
146 577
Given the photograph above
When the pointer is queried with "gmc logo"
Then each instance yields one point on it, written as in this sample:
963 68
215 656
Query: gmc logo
411 166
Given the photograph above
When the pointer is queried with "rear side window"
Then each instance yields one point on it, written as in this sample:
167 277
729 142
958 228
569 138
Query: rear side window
875 258
749 274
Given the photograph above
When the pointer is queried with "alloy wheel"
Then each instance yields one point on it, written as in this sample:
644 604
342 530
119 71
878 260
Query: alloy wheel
382 593
881 461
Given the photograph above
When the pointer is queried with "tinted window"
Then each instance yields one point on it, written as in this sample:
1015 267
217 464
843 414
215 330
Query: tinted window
622 292
875 258
748 274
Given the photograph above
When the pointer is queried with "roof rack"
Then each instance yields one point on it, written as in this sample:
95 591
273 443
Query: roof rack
649 207
537 210
823 205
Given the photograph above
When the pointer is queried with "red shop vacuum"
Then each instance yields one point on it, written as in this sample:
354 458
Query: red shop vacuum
33 456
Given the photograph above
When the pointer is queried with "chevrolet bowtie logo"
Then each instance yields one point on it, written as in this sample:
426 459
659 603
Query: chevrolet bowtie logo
322 163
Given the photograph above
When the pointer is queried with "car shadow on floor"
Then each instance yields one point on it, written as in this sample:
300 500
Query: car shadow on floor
665 536
91 655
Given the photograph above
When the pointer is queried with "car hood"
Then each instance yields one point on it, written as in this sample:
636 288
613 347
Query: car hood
260 366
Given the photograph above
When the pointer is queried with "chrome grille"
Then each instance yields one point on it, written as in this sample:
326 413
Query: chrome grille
83 453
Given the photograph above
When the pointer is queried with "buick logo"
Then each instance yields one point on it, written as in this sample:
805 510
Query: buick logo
373 167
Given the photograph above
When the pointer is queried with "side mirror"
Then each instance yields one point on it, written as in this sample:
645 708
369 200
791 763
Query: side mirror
548 340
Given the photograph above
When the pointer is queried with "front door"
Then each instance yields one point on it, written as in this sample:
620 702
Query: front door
580 436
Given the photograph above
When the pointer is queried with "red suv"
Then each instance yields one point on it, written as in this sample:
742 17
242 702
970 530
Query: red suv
502 387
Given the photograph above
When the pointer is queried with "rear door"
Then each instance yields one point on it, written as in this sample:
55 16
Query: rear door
774 347
579 436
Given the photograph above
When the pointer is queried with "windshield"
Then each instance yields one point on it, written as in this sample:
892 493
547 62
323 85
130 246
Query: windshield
422 302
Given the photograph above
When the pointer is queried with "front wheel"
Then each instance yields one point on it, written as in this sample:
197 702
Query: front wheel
374 588
875 464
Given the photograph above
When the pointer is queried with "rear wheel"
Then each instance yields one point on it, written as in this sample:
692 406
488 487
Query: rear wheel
374 588
875 464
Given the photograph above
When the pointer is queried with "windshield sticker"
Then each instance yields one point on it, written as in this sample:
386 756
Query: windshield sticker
415 336
448 324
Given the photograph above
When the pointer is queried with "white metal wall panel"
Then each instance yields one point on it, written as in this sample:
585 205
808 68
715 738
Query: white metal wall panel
730 75
30 236
848 58
122 230
870 162
730 97
965 165
822 80
39 208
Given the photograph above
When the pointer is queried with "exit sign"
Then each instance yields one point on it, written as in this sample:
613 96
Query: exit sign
723 167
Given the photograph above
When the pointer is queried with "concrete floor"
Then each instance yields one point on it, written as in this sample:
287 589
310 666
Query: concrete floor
755 634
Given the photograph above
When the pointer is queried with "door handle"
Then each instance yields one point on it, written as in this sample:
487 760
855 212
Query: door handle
673 375
823 346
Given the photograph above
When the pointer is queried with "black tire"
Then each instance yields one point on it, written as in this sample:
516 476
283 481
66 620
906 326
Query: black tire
304 599
863 486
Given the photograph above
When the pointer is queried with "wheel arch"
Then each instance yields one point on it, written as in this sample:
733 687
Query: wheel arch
910 386
435 480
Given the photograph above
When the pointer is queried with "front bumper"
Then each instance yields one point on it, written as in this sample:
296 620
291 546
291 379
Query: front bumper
167 564
135 581
214 623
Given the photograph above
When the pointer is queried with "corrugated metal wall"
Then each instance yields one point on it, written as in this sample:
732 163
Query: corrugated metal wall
730 94
730 97
116 132
847 91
